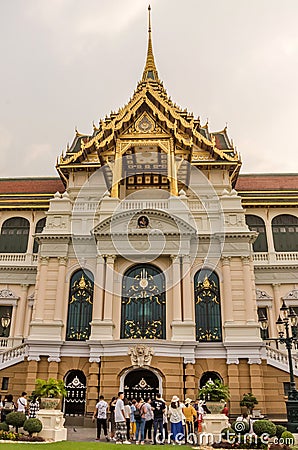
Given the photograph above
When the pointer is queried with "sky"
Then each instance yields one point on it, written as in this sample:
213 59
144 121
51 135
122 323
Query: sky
67 63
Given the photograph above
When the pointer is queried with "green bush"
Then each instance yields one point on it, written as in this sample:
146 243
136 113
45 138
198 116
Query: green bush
249 400
225 431
4 426
32 426
16 419
240 426
264 426
287 438
279 430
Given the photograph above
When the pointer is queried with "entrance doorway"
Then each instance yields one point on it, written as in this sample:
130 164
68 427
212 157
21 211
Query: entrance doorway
74 402
141 383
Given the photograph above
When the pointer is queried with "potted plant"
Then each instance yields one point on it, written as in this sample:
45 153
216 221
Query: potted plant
50 391
215 394
249 401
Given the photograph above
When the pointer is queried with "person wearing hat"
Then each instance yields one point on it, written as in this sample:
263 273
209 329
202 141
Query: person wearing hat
176 419
201 411
190 415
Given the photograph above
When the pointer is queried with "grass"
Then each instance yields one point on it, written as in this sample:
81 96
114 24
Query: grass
71 445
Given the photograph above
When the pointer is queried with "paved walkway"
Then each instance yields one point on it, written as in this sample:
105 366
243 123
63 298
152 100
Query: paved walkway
82 434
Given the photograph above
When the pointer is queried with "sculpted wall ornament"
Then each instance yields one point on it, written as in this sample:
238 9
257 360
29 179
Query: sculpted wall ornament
141 355
7 293
262 295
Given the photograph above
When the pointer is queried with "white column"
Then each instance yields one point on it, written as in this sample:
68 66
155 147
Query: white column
188 295
98 295
227 290
60 296
250 305
41 292
176 289
109 288
276 305
21 312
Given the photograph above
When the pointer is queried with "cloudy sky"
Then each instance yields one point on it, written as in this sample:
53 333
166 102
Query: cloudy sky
67 63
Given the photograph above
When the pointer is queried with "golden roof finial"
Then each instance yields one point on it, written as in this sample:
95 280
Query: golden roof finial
150 71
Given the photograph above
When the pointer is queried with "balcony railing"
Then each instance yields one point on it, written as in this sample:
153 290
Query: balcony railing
279 359
275 258
16 259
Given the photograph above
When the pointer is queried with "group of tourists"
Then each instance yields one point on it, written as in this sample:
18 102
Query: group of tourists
7 405
149 420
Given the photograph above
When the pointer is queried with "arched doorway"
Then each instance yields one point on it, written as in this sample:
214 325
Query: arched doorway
74 402
141 383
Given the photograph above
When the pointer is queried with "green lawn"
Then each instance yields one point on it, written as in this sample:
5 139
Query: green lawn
71 445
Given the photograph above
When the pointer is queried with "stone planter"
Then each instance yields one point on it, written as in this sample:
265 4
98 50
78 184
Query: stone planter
215 407
49 403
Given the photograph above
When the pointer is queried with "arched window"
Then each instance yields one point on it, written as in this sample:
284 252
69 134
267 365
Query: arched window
255 223
38 229
80 304
207 306
14 235
285 229
206 376
143 303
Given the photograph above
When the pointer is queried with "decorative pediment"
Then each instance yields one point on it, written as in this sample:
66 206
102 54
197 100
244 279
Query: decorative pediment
263 295
292 295
130 223
8 298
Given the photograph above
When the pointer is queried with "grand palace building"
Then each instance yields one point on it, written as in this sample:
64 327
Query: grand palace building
148 263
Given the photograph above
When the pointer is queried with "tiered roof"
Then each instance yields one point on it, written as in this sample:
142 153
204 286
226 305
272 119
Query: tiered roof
201 146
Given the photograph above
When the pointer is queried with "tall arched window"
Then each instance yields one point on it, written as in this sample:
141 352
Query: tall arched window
80 304
207 306
38 229
143 303
255 223
285 229
14 235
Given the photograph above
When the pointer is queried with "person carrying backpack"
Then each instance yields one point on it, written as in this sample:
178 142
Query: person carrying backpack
140 421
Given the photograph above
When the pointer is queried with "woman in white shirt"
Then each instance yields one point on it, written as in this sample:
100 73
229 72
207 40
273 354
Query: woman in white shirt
176 419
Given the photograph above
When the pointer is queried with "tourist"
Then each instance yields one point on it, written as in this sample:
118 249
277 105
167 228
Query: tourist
120 421
127 412
176 420
33 407
158 407
132 419
140 421
148 420
225 410
100 413
200 414
190 415
8 407
22 403
112 416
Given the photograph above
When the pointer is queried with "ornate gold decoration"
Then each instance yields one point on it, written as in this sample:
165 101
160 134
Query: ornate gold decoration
83 289
140 355
150 71
145 124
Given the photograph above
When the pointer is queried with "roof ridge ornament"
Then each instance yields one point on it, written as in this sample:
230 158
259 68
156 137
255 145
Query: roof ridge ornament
150 72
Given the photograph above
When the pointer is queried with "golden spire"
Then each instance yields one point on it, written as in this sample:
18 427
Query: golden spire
150 71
